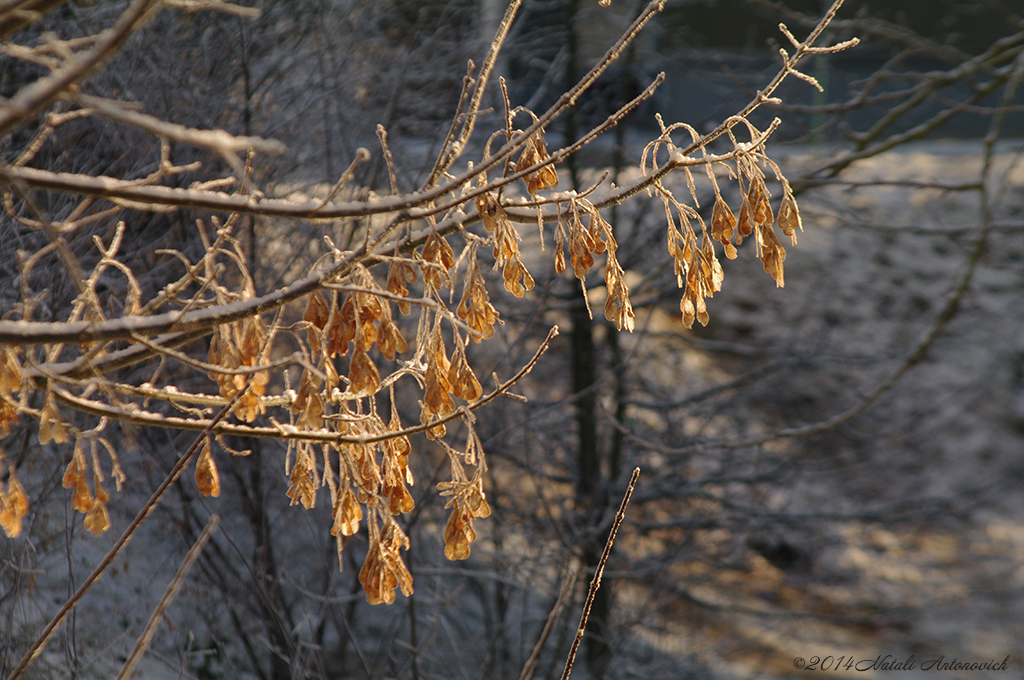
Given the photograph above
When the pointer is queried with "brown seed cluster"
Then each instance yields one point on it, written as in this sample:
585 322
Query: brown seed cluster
51 426
699 267
475 308
383 570
617 307
584 241
535 152
437 261
506 245
10 384
13 503
467 503
400 275
97 519
239 345
756 217
437 400
207 477
302 482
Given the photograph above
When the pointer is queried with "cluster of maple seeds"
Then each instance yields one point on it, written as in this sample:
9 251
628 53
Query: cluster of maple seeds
699 265
10 384
238 346
467 503
475 307
506 245
383 570
584 241
13 503
97 519
445 379
535 152
756 218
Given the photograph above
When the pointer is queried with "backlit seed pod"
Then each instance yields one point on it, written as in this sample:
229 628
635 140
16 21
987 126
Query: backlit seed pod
560 256
400 274
8 415
316 311
723 222
617 307
536 152
302 482
764 216
51 427
789 217
363 374
773 255
458 534
347 513
438 259
383 570
399 498
745 221
463 380
207 477
475 307
97 520
13 506
342 329
10 371
489 209
390 340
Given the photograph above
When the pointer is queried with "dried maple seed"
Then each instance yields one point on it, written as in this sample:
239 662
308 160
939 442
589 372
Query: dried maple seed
475 307
207 477
10 372
13 506
347 514
363 374
789 217
390 340
317 311
723 222
438 259
400 274
302 482
536 152
97 520
383 570
489 209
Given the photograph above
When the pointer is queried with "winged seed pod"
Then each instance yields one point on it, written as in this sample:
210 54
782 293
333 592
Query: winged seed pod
13 505
789 217
347 513
302 481
438 259
468 503
207 477
536 152
97 520
400 274
475 307
723 226
383 570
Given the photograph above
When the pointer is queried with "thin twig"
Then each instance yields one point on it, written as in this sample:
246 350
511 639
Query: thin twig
142 644
595 583
556 612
